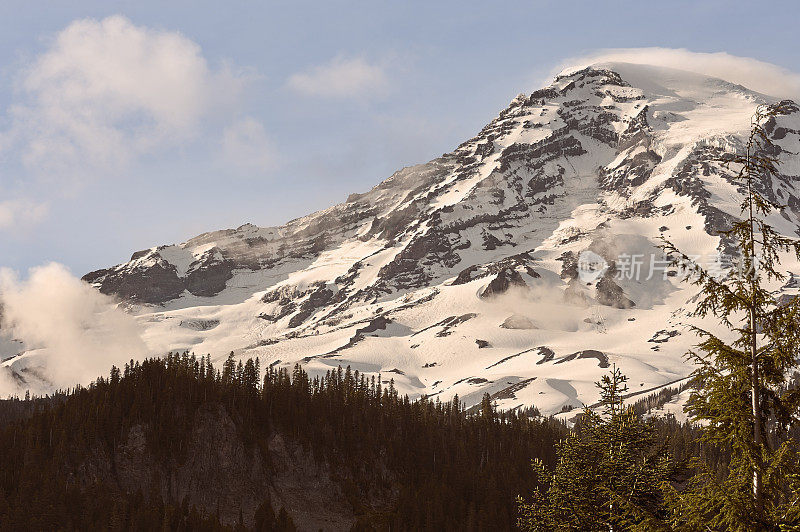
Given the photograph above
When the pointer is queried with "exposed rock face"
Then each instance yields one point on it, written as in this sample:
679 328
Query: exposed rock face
635 169
503 282
465 276
221 473
601 357
150 278
155 284
610 294
210 279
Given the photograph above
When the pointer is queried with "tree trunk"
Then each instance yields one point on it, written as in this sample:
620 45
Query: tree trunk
754 392
755 384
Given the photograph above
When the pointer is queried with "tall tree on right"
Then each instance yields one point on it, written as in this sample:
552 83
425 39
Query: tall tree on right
743 397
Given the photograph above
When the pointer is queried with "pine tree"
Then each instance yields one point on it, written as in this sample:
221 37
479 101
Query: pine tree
610 474
742 394
229 370
115 375
250 376
486 408
239 373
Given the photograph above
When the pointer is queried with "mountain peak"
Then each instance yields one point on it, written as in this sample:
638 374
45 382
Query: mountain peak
395 281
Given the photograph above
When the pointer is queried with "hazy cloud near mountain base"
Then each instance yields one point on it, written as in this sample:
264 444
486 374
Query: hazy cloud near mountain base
77 332
756 75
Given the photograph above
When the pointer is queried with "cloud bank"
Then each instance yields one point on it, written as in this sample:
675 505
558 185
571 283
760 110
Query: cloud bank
341 77
74 332
756 75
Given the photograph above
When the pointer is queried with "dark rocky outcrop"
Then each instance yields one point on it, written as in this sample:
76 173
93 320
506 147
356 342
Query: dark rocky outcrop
377 324
569 265
299 318
505 280
601 357
408 268
154 284
509 392
465 275
547 355
210 279
610 294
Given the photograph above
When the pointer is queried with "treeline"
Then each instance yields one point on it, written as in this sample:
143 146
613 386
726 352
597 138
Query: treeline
401 464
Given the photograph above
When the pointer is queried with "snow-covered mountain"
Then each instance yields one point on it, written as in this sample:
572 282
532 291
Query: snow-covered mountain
461 275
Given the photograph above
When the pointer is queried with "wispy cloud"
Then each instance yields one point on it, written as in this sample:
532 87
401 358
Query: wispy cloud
21 213
107 90
756 75
245 145
104 95
341 77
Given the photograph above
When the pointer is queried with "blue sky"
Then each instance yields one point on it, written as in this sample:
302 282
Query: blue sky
129 124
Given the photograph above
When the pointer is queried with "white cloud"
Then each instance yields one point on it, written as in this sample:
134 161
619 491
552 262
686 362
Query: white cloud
756 75
77 333
245 145
103 95
21 213
106 91
341 77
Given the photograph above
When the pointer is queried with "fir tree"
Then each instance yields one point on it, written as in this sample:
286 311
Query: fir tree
229 370
742 394
115 375
250 376
486 408
610 473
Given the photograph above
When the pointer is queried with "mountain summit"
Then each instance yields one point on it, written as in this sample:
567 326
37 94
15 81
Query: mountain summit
468 274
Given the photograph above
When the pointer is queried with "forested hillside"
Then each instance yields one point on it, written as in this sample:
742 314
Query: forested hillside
176 443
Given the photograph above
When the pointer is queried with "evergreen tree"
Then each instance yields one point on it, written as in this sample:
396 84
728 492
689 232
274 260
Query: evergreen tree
610 473
250 376
115 375
239 373
742 394
229 370
486 408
